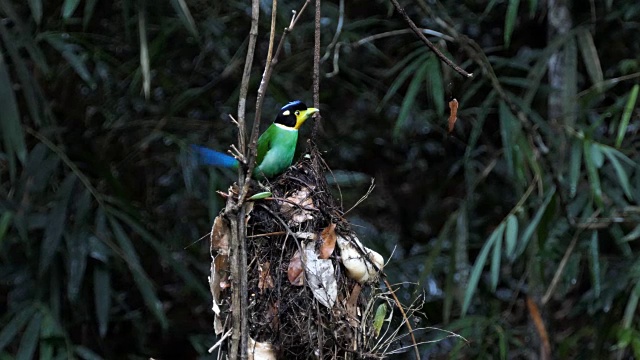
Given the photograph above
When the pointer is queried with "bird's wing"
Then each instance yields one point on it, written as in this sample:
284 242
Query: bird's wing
264 143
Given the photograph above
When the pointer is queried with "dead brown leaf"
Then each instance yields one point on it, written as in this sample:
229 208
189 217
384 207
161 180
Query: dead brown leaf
265 280
453 116
220 234
328 241
295 272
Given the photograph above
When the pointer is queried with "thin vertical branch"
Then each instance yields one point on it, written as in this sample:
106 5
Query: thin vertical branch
237 258
316 69
246 75
260 99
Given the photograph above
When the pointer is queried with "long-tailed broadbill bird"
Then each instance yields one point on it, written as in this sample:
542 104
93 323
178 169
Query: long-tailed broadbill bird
276 146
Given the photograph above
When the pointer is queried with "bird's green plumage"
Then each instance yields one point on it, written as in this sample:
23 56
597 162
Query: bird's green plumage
276 147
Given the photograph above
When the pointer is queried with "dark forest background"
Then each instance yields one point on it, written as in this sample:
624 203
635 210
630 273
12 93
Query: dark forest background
519 230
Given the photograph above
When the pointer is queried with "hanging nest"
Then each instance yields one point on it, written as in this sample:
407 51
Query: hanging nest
312 285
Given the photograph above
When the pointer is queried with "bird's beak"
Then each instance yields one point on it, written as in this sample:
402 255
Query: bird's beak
304 116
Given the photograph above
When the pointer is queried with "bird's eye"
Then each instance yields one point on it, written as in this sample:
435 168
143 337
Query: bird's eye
297 112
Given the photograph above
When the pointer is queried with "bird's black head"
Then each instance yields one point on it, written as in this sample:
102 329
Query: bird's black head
294 114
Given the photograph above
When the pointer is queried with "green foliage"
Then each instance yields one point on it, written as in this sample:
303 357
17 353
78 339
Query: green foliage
98 202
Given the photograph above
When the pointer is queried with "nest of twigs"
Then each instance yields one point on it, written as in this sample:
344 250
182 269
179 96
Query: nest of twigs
305 299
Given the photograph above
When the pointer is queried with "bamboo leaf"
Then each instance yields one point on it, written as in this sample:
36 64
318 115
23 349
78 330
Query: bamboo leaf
56 221
590 158
30 338
183 12
533 6
36 10
506 133
402 77
69 7
5 222
9 330
177 266
144 54
623 178
89 6
632 305
73 54
590 55
626 115
10 123
435 87
409 99
102 297
533 225
594 257
570 87
496 256
85 353
510 20
633 235
141 279
574 166
511 235
481 260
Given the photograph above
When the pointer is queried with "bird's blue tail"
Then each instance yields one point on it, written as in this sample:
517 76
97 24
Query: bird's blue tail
214 158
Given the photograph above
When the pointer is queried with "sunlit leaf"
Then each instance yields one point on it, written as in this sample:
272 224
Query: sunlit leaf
626 115
511 236
378 320
30 338
510 20
496 256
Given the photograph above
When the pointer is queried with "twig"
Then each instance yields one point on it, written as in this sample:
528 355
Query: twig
404 316
216 345
266 76
334 41
316 70
429 44
363 198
